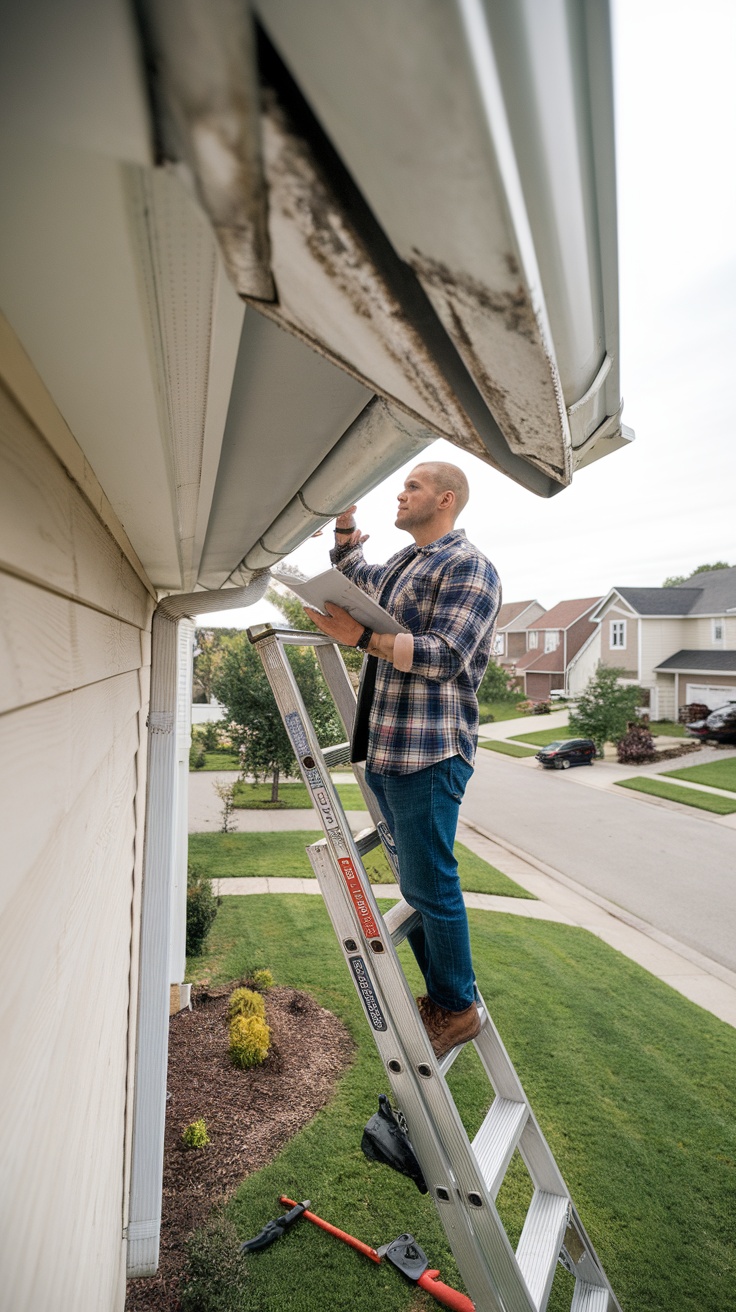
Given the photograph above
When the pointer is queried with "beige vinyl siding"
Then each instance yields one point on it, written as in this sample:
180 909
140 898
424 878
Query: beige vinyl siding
623 658
73 697
665 708
661 638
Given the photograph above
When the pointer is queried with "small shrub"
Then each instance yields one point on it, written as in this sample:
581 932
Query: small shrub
201 910
262 980
542 708
245 1002
637 744
197 758
215 1276
195 1135
250 1040
525 707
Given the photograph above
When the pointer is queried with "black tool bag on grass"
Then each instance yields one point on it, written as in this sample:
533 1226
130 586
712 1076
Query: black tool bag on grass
385 1141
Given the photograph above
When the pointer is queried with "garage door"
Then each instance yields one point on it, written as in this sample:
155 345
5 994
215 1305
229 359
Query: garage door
710 694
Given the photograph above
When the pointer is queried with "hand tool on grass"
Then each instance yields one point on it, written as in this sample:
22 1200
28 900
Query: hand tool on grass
404 1253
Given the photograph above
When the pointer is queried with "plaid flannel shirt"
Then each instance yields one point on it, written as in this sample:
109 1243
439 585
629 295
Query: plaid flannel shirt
448 595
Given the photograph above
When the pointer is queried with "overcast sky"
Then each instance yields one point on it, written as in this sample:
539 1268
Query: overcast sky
667 503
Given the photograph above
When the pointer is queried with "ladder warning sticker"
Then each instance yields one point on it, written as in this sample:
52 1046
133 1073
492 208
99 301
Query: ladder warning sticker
365 987
295 730
360 901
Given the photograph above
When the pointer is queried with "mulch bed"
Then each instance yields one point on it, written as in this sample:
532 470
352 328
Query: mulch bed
250 1114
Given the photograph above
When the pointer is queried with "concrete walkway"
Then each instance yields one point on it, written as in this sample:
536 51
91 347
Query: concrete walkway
560 899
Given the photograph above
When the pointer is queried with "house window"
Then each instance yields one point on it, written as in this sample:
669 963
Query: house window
718 630
551 640
618 633
498 644
532 639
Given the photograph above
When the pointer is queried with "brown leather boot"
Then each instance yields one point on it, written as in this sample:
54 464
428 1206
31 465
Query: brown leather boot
448 1028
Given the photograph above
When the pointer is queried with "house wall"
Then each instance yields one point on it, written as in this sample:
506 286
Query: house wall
73 695
624 658
660 639
584 664
516 643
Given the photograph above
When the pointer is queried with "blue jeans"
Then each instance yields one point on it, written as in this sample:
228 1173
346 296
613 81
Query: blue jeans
421 810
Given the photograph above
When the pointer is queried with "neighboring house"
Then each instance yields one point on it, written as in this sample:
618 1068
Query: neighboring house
246 273
679 643
514 618
562 650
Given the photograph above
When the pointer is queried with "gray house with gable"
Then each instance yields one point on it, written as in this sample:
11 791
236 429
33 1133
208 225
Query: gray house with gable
679 643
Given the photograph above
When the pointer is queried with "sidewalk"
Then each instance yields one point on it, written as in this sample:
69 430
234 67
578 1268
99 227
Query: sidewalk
560 899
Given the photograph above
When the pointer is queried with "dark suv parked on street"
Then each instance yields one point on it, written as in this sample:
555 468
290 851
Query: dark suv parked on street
567 752
718 727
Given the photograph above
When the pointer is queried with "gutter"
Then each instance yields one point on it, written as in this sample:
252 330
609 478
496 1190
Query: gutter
149 1107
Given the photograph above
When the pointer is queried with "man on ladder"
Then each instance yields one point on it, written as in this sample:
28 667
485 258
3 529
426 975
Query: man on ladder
419 695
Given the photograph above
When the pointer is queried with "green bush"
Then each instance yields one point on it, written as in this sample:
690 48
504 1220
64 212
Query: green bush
201 910
215 1275
245 1002
250 1039
195 1135
262 980
197 757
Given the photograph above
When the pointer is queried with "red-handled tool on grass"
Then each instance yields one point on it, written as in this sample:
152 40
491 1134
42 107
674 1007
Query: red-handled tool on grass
405 1254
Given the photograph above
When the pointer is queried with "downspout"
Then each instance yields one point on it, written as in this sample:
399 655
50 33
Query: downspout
144 1225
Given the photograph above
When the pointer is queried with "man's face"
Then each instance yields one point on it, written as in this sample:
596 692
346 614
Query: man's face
418 501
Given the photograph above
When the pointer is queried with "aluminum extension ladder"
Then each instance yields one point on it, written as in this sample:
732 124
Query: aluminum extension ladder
463 1177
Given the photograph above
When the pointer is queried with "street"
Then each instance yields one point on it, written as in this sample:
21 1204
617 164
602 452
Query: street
674 870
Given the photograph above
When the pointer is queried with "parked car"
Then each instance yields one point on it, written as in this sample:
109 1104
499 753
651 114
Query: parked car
718 727
567 752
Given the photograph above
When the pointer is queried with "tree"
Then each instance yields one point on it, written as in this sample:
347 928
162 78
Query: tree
605 708
495 686
210 645
676 579
243 688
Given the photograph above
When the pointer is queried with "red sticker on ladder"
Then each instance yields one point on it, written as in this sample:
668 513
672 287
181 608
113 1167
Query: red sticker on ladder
360 902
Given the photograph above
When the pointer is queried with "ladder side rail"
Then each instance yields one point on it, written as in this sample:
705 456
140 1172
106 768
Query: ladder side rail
337 678
582 1260
476 1235
533 1147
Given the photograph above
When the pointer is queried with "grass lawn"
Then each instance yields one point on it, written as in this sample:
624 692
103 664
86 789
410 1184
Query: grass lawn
543 737
667 728
634 1086
293 796
658 787
219 761
261 855
506 748
719 774
501 711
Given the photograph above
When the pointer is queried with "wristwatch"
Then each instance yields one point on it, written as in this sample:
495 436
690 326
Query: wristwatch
364 639
346 530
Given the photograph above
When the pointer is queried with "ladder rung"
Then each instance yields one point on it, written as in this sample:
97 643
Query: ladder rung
589 1298
367 840
497 1138
540 1243
337 755
399 920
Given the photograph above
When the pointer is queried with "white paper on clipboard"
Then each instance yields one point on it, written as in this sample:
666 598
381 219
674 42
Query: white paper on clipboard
335 587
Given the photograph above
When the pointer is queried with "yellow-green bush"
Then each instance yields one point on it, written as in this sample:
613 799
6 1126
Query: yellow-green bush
250 1039
195 1135
262 980
245 1002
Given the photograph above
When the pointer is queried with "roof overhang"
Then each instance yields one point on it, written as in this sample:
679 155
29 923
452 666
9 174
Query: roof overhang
422 197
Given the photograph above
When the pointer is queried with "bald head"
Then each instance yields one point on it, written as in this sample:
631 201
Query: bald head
448 478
